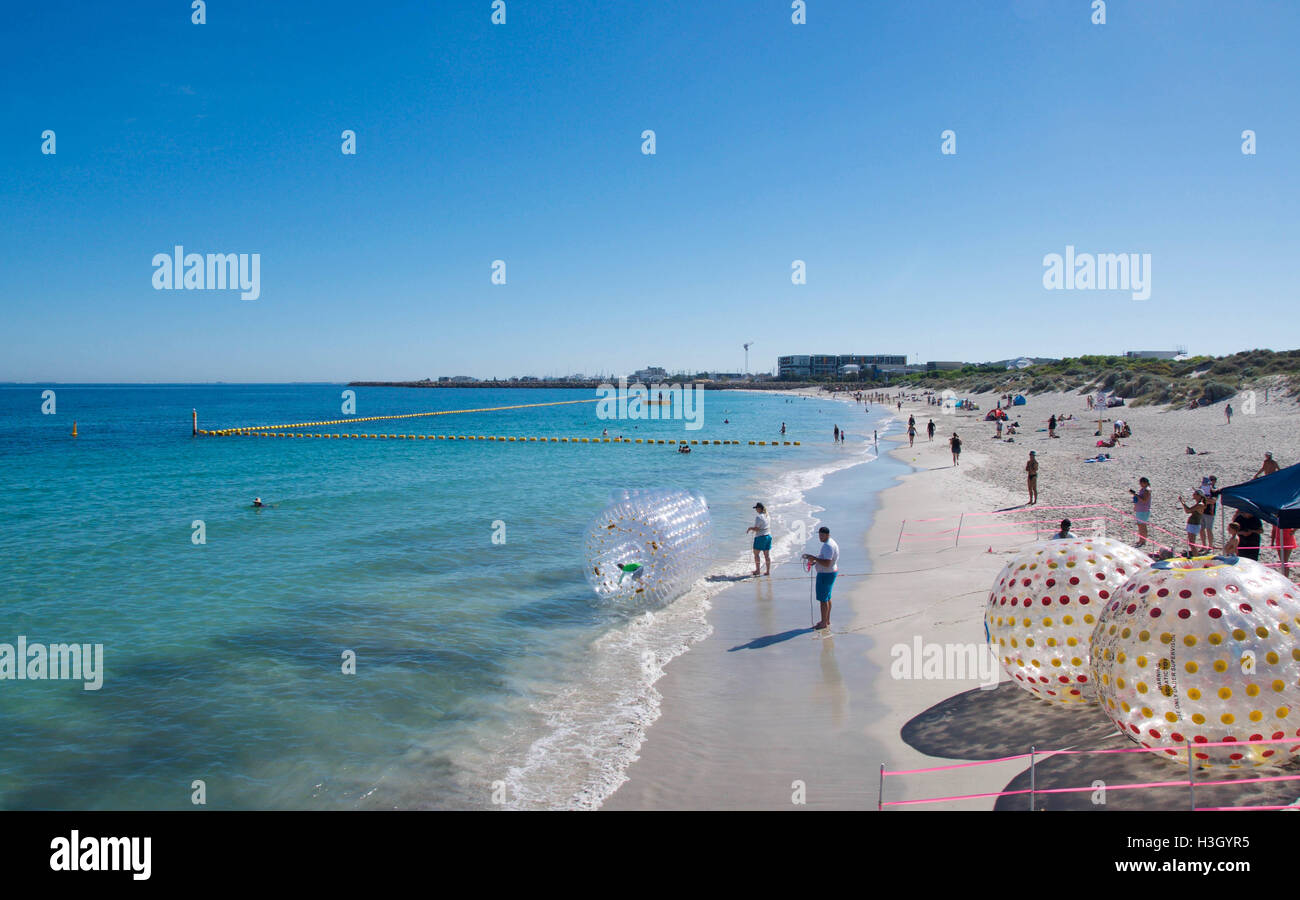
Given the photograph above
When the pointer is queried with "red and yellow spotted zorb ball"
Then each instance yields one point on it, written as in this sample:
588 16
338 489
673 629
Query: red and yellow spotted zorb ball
1044 606
1204 650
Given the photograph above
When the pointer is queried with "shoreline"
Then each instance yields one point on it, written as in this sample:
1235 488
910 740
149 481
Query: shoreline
743 743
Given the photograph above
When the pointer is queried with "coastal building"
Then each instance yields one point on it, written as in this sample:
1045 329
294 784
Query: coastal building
456 379
829 366
648 374
1156 354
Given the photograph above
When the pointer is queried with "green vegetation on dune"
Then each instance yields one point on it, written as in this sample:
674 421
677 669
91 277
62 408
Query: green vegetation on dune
1207 379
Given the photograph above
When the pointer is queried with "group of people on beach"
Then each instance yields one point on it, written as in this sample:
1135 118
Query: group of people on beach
911 430
826 561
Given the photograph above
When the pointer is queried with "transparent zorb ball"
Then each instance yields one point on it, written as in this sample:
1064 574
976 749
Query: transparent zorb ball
647 547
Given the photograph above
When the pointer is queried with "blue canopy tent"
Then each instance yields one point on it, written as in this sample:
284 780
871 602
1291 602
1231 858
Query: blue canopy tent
1274 498
1019 401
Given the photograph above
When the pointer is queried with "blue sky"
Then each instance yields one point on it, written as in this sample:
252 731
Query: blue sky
522 142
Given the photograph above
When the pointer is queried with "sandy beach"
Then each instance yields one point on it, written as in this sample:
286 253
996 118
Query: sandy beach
763 715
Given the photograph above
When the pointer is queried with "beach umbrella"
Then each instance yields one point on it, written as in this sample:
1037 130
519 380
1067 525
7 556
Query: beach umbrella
1274 498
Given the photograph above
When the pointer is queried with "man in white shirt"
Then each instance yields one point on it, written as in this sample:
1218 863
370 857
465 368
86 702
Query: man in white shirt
762 529
827 562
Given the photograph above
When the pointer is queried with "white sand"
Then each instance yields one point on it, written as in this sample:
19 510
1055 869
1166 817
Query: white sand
740 727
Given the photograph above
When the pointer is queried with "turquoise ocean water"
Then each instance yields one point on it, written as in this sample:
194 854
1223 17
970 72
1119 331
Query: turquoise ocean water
479 666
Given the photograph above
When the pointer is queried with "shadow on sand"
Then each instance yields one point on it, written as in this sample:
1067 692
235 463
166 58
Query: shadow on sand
980 724
770 639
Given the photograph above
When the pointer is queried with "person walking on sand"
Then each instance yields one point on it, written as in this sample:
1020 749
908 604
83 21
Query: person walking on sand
762 529
929 430
837 434
1142 508
1193 519
955 443
1227 411
1268 468
911 434
1031 472
827 563
1051 426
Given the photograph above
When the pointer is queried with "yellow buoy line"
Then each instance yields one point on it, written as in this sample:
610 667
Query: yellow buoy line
263 432
348 421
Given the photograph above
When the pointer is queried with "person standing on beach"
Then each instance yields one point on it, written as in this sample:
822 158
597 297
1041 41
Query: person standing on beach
1051 426
837 434
1031 471
929 430
1207 514
1227 411
1250 528
1283 542
1193 519
1234 538
1142 508
1268 468
955 443
911 434
827 563
762 529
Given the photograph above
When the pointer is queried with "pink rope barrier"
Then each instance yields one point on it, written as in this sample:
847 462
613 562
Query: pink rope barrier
1100 752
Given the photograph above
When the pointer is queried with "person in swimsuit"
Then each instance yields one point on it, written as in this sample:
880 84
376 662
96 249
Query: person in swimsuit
1207 516
1142 508
955 443
1268 468
1193 519
1234 538
911 434
1031 470
929 430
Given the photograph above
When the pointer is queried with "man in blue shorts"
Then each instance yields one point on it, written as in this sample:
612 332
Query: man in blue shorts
827 562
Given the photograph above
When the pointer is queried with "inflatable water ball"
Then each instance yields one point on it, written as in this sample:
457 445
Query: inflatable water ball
1044 606
1204 650
647 547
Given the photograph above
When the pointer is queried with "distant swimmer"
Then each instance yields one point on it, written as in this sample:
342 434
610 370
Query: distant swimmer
783 428
682 448
258 504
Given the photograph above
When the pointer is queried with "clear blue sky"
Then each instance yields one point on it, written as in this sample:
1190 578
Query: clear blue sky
522 142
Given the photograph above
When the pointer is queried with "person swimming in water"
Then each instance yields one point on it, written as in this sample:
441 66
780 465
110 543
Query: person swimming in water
258 504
